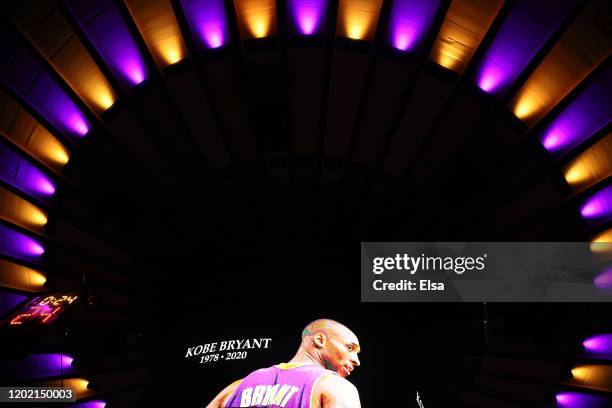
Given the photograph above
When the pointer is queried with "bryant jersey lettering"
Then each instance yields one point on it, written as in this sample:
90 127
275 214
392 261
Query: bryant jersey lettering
283 385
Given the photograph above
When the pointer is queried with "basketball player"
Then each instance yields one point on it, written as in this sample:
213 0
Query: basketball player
314 378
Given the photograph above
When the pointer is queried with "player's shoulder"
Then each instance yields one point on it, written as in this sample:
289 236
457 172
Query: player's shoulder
334 391
332 382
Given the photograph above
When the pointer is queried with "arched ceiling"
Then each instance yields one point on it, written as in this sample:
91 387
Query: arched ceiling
138 138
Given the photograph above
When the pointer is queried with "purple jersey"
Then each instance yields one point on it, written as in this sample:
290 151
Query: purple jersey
283 385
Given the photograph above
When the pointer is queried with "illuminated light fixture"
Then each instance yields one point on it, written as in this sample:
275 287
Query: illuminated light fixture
581 373
43 92
519 38
409 22
577 173
524 108
584 117
37 279
91 404
105 100
604 280
51 100
171 51
79 385
19 211
159 29
21 277
569 399
462 31
95 89
43 365
19 245
23 175
56 152
32 137
358 18
208 21
308 15
599 205
602 243
112 38
448 60
590 166
34 215
257 18
599 344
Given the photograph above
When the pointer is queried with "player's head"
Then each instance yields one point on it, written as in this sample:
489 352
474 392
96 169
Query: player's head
334 343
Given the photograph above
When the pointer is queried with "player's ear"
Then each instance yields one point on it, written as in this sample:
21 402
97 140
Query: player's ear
319 340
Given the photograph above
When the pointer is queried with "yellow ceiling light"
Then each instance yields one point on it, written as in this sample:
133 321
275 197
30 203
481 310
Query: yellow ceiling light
464 26
524 108
79 385
577 173
357 18
448 59
259 24
43 143
17 210
80 71
602 242
581 48
592 166
170 50
100 93
256 18
160 30
593 375
20 277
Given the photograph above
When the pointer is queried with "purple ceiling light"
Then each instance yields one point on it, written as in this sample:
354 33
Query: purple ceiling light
604 281
587 114
208 21
91 404
598 206
523 32
110 35
567 399
409 22
42 365
600 344
16 244
28 78
9 301
308 15
21 174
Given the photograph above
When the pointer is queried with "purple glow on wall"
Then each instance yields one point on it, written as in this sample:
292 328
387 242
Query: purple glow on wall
23 175
42 365
16 244
9 301
91 404
308 15
28 78
599 344
587 114
111 37
409 22
53 103
599 205
523 32
568 399
604 280
208 21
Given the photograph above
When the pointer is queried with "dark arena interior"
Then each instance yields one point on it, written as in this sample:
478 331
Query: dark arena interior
177 172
